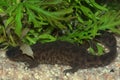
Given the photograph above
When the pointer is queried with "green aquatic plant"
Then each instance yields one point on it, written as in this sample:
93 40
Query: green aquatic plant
31 21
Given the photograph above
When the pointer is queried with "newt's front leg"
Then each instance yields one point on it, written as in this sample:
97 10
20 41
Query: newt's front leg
29 61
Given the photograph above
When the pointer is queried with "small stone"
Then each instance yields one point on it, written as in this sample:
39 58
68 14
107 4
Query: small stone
36 76
112 70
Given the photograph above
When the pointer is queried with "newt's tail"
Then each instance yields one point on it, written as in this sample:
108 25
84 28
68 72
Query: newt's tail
108 39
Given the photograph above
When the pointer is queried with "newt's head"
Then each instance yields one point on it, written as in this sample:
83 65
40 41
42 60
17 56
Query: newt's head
14 53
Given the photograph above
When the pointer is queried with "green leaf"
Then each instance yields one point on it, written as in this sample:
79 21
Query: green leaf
1 10
52 15
79 18
63 12
10 10
9 21
46 38
91 50
3 3
51 2
86 11
12 42
110 20
100 49
18 18
39 10
31 40
97 5
32 17
99 52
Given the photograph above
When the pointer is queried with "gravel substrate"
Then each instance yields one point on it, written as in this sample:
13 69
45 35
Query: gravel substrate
17 71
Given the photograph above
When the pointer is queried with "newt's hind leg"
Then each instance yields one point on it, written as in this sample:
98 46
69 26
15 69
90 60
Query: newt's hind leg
31 63
75 68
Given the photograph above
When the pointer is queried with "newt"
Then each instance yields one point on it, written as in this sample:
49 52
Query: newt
65 53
